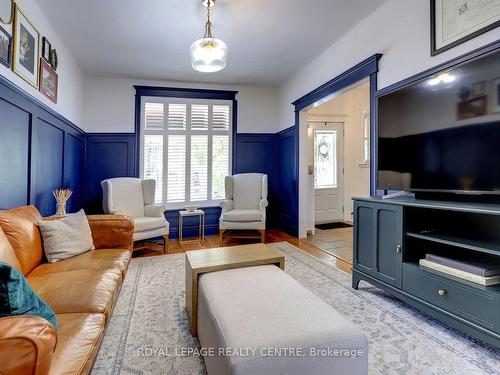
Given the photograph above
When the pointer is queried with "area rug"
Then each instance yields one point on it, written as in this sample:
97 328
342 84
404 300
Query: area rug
149 333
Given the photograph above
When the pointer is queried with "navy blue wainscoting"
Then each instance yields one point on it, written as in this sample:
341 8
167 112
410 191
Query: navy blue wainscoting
14 155
287 205
190 224
256 153
108 155
39 151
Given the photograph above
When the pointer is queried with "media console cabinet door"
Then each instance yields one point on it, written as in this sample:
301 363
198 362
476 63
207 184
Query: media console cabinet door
378 240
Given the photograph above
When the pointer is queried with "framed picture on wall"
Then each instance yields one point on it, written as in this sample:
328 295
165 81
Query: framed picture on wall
471 108
48 81
6 11
46 48
26 48
454 22
5 45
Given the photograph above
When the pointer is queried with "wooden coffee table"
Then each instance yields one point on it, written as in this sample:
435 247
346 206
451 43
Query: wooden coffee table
222 258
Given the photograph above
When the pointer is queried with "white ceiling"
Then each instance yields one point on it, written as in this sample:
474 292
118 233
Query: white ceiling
268 40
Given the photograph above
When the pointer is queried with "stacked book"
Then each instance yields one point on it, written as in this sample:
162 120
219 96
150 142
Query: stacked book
484 270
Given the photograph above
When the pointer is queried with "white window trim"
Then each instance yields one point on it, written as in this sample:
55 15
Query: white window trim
210 132
365 123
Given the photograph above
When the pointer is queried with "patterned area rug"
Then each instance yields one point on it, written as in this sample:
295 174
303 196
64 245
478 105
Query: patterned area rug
149 333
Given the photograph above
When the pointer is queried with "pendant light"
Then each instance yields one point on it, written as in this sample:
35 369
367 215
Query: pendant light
208 54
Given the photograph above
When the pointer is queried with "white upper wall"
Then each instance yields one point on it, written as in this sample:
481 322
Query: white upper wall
70 95
399 29
110 104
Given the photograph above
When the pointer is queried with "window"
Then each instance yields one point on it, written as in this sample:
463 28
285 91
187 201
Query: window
186 148
325 159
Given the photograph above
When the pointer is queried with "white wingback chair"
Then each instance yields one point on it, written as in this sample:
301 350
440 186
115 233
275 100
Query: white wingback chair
245 205
135 198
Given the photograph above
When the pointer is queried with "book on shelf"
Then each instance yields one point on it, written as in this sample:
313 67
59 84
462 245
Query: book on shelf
479 264
482 280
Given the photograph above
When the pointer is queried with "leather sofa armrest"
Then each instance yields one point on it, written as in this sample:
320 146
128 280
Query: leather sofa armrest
155 210
27 345
112 231
227 205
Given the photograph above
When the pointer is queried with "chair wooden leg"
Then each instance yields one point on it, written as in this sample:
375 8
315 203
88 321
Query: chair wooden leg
221 237
262 235
165 244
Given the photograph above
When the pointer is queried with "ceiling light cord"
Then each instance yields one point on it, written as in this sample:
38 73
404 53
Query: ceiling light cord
208 25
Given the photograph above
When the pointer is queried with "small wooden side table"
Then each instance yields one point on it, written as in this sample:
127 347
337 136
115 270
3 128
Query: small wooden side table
201 227
218 259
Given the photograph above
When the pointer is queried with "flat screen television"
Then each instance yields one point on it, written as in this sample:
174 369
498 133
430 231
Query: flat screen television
442 133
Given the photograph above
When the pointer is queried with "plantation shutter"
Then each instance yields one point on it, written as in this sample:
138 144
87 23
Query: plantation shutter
221 117
186 149
176 168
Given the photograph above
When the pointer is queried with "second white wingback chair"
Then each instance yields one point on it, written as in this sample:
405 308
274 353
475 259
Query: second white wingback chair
245 205
135 197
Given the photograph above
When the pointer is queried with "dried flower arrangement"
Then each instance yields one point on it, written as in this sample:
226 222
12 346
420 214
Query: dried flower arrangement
62 196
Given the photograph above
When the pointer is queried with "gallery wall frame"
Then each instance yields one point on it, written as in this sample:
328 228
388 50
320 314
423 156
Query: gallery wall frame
48 81
6 11
452 25
5 47
26 48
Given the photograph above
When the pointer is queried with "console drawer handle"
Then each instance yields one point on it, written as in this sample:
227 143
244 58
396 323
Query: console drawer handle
398 248
441 292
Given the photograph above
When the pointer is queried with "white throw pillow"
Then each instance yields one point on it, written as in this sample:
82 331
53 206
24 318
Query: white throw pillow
66 237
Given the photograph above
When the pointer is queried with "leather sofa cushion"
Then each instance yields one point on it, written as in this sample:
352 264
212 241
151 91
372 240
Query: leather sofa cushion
7 253
78 342
26 345
95 259
112 231
20 226
244 215
85 291
149 223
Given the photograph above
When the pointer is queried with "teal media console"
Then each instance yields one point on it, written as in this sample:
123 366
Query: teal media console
391 235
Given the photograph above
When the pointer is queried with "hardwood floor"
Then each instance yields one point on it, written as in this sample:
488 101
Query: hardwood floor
337 242
272 235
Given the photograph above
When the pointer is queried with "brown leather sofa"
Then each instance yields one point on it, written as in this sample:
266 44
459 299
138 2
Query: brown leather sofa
81 290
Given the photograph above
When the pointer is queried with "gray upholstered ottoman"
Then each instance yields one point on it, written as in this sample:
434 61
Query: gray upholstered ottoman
259 320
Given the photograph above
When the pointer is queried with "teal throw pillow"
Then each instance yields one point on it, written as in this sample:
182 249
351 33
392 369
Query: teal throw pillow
17 297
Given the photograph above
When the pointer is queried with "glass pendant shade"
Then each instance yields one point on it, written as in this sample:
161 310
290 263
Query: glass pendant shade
208 55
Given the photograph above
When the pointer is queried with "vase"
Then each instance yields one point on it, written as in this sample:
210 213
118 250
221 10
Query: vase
61 209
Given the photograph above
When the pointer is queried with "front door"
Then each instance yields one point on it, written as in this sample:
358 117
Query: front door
328 172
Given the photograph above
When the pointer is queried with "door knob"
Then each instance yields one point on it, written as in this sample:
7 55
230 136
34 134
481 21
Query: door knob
441 292
398 248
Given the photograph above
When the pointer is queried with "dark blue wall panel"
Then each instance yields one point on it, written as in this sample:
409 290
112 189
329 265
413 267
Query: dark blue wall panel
73 177
256 153
14 155
34 152
48 151
108 155
287 182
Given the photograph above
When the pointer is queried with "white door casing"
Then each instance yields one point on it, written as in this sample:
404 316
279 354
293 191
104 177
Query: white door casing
328 139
